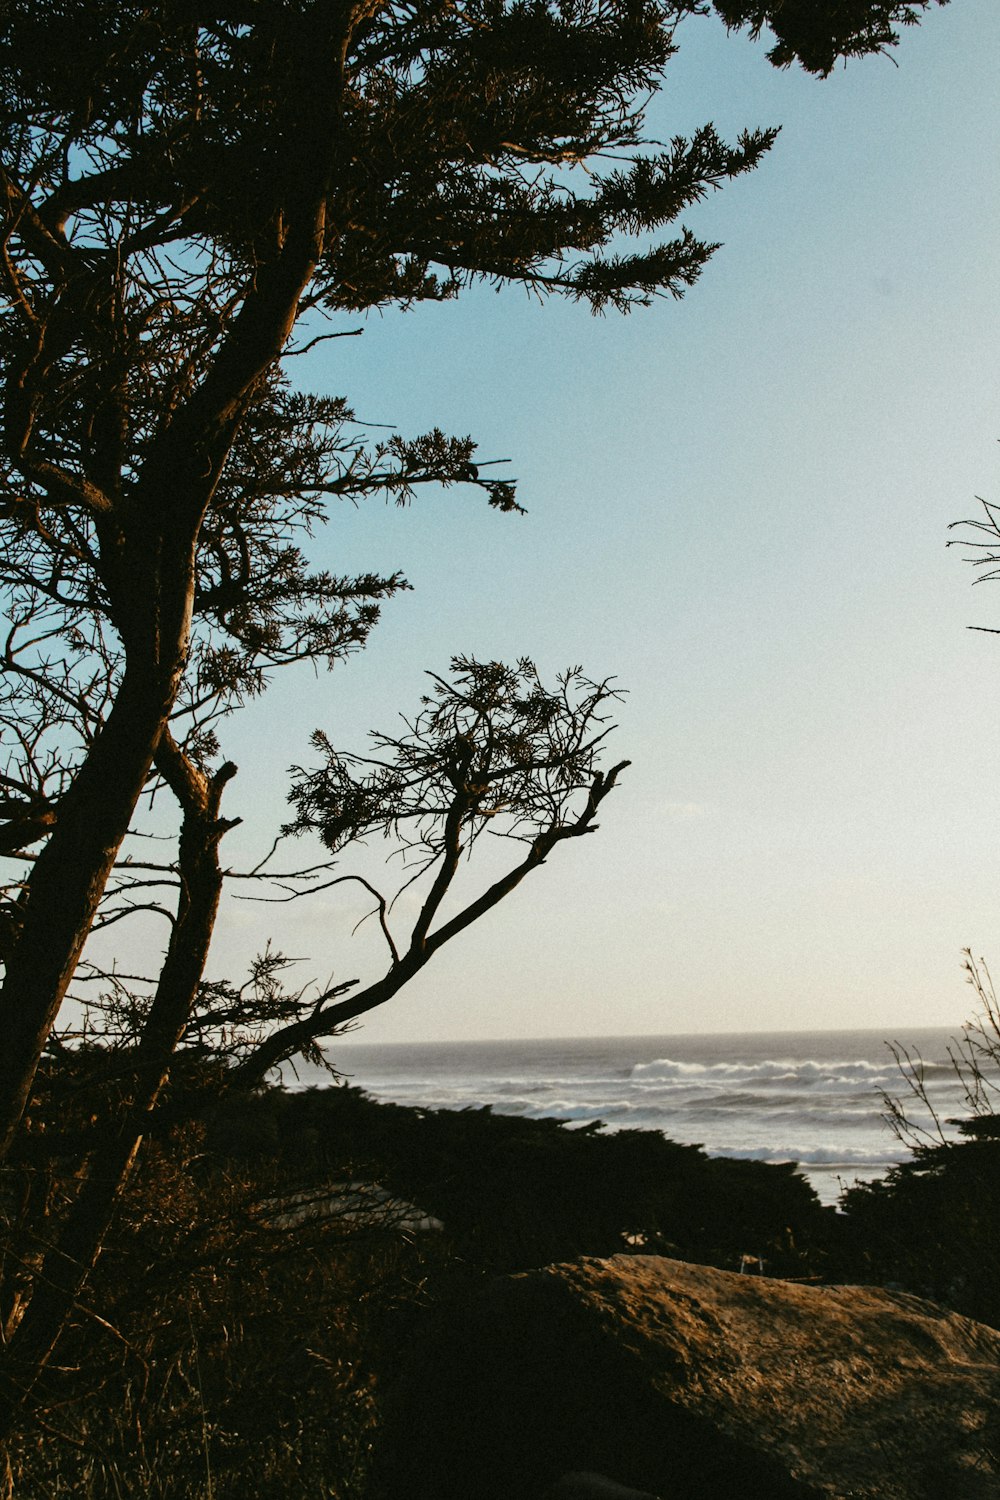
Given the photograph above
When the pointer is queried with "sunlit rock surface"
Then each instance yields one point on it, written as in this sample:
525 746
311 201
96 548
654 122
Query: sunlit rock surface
696 1384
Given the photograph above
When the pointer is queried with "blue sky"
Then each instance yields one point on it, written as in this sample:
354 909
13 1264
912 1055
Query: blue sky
739 505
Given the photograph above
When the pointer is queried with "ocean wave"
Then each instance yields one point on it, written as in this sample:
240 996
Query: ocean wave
801 1073
842 1102
502 1090
579 1109
778 1121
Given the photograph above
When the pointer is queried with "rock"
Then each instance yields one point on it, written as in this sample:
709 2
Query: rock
695 1384
583 1485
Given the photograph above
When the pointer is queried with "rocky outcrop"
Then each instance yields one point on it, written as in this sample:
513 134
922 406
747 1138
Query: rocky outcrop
696 1384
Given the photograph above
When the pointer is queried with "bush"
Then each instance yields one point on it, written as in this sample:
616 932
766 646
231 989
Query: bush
933 1223
231 1341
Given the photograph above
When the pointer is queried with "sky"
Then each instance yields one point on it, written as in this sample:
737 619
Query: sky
738 504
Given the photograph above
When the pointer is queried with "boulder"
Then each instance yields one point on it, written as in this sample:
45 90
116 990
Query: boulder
694 1384
585 1485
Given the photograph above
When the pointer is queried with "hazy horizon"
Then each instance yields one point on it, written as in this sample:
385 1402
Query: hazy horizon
358 1038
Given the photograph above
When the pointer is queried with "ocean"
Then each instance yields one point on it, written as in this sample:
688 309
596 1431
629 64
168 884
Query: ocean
809 1097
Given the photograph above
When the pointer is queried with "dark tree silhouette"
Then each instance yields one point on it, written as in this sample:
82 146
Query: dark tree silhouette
490 751
192 194
181 187
818 33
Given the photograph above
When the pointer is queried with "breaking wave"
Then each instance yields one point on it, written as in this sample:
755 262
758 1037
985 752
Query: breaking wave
802 1072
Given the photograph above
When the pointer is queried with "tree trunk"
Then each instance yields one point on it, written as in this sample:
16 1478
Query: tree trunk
67 883
68 1263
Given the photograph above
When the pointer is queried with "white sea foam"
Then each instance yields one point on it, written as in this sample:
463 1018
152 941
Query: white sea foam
802 1071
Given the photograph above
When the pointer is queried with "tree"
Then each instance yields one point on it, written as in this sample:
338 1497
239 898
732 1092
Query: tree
182 189
932 1222
490 751
819 34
